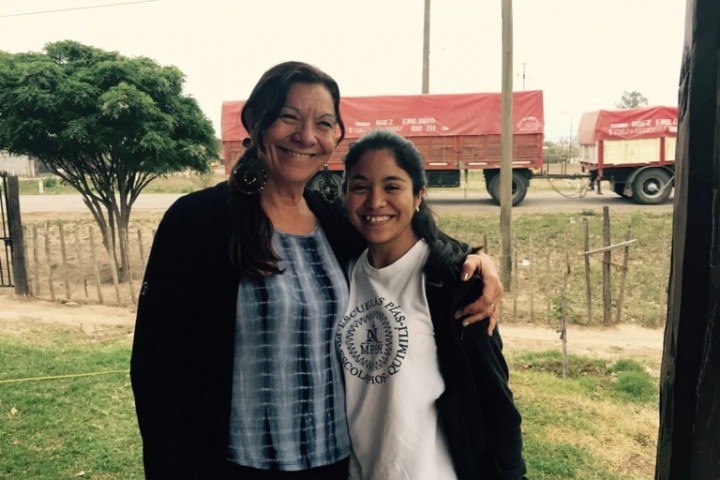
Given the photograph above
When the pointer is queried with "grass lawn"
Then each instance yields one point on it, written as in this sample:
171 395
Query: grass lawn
601 423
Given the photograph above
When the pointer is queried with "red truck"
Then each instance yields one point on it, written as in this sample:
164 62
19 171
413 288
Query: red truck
455 133
634 149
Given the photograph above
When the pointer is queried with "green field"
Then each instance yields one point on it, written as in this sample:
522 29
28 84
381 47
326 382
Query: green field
598 424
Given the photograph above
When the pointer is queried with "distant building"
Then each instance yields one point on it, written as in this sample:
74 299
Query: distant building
20 165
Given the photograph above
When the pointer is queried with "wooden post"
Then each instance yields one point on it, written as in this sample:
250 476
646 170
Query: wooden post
141 247
515 282
96 269
506 145
20 277
36 259
48 261
563 310
607 294
26 239
426 50
689 386
81 267
113 263
63 253
588 283
548 281
532 281
126 249
623 276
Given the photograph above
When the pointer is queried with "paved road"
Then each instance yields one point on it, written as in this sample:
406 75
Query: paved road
542 202
73 203
441 201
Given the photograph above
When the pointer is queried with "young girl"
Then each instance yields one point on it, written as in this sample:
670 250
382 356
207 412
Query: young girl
425 398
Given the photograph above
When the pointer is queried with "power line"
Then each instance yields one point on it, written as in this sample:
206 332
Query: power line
88 7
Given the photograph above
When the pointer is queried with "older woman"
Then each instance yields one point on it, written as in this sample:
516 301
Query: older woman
233 367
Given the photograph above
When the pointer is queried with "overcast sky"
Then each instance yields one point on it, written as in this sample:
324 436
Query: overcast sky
582 53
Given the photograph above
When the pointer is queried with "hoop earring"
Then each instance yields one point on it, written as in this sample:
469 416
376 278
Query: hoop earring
250 176
327 185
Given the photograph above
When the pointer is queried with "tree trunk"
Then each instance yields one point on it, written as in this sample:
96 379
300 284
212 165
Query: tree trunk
689 437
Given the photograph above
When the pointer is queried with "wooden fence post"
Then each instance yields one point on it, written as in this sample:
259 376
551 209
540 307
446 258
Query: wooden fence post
548 281
36 259
63 256
51 286
80 260
623 276
141 247
563 310
126 252
607 294
20 278
514 279
588 289
96 270
113 264
532 281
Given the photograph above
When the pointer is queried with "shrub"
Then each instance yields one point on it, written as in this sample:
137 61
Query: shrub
636 385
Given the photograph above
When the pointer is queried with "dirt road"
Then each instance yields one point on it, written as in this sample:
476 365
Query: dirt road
441 201
623 341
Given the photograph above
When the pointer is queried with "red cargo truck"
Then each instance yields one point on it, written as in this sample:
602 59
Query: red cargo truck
634 149
455 134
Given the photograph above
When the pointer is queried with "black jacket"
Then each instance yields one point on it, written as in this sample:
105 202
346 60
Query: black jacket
181 365
477 411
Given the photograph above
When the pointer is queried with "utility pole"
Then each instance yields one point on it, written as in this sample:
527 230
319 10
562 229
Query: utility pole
426 50
506 146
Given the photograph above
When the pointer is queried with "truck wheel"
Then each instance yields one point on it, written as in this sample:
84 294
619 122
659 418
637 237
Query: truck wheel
330 185
648 186
519 188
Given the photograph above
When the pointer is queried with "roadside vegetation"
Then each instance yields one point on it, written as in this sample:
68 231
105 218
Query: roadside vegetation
542 245
541 242
599 424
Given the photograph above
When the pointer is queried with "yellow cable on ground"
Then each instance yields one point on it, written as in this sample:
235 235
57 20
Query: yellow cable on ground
58 377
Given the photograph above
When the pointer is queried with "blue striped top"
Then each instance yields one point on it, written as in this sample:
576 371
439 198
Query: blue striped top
288 405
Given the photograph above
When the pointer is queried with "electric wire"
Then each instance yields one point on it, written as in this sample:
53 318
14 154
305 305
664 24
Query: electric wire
86 7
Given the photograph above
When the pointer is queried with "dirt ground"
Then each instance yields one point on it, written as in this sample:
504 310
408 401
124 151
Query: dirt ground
621 341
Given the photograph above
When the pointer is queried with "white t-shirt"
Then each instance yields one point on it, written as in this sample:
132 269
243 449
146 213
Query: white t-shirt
392 376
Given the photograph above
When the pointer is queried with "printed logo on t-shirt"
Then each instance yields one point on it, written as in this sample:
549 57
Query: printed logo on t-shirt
373 338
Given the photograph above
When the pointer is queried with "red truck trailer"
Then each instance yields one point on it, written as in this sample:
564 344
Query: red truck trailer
455 133
634 149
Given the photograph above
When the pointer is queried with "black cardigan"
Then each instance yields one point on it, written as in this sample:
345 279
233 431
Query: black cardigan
181 365
477 411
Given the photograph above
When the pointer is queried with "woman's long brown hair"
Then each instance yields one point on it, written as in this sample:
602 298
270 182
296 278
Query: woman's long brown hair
251 242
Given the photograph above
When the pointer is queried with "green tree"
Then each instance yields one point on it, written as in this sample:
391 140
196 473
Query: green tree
105 124
632 100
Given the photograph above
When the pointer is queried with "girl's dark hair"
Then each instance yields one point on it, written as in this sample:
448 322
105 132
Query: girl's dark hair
251 243
448 251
